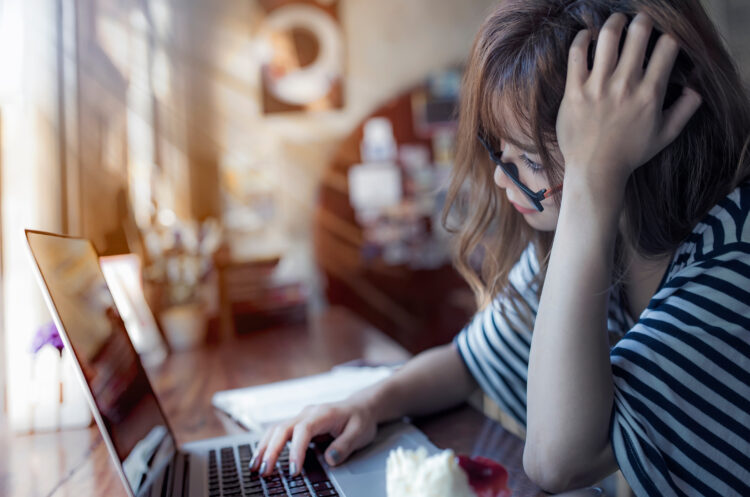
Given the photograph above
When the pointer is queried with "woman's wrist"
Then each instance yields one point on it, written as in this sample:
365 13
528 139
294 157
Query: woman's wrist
593 198
433 380
378 401
599 185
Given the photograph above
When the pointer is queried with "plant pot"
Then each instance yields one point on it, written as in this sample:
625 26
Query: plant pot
184 326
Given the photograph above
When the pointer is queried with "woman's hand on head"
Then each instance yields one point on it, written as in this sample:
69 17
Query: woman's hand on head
611 120
350 422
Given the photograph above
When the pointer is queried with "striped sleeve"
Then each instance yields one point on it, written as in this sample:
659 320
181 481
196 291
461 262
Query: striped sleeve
495 344
681 418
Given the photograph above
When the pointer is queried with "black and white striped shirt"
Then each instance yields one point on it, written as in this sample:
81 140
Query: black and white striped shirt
681 418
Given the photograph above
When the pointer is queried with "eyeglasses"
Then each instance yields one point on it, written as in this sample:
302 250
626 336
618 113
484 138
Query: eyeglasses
511 170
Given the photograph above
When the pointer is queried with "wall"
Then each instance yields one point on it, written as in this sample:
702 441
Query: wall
172 88
185 76
732 17
97 95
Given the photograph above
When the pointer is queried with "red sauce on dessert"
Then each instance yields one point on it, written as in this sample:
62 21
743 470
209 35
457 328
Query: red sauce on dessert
486 477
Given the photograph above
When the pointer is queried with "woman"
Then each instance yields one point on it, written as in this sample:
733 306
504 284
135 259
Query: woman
634 276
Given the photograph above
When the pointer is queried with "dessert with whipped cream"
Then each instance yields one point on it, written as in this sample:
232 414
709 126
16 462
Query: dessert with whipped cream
412 473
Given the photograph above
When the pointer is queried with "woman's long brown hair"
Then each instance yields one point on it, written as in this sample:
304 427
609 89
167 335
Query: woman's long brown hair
518 64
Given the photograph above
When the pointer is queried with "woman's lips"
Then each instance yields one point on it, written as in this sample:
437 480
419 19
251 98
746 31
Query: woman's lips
523 210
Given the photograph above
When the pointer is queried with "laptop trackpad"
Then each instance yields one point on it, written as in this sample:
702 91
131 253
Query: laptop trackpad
366 468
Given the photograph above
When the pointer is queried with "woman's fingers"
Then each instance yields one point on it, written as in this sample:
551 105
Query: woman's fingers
614 118
327 421
634 50
678 114
351 428
303 433
257 459
578 70
607 46
355 435
279 437
661 63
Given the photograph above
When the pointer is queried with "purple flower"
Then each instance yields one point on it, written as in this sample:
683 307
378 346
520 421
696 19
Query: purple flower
47 335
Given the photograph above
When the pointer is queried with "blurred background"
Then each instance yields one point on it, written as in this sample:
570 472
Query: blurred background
262 159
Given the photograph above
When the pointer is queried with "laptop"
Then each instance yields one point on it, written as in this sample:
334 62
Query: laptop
132 421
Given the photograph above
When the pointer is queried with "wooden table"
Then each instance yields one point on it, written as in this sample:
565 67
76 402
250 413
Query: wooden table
76 463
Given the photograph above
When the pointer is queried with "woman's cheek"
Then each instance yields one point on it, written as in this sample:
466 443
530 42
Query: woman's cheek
551 213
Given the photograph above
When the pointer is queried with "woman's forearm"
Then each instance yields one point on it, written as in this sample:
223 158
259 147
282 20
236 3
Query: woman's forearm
432 381
611 121
570 389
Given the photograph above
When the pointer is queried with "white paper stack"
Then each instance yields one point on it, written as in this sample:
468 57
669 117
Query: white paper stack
256 408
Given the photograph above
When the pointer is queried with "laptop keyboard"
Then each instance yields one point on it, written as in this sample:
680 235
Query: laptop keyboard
224 479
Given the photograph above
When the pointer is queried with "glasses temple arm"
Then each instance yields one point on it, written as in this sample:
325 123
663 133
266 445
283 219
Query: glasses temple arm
552 191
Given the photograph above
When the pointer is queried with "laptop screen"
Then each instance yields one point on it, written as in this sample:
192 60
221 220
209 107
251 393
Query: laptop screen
129 413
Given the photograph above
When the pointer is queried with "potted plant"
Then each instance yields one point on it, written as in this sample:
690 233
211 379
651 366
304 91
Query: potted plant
182 267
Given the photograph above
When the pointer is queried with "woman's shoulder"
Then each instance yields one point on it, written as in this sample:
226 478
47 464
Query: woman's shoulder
523 274
726 223
523 279
725 229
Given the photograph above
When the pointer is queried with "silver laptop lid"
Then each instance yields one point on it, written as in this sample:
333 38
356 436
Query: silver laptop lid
129 416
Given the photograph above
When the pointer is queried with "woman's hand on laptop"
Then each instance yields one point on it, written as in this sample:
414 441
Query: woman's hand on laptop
434 380
351 423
